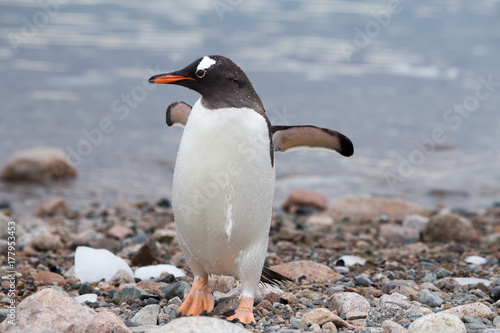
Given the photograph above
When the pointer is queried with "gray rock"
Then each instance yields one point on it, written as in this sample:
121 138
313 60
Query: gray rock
394 307
363 281
201 325
494 293
492 330
389 285
131 292
442 273
85 288
148 315
429 277
437 322
476 325
3 314
175 289
429 298
496 321
60 313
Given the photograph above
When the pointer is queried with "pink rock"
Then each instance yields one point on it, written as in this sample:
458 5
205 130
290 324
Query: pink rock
300 197
119 231
38 164
108 322
47 242
311 270
318 316
51 207
346 302
394 233
44 278
51 311
361 208
224 284
122 277
389 326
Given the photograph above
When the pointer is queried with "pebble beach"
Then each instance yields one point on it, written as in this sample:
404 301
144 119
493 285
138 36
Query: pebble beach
359 264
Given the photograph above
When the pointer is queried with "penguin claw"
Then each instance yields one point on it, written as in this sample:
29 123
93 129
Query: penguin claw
244 312
199 300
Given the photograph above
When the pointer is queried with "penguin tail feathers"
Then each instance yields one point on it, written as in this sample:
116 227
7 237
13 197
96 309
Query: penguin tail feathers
272 278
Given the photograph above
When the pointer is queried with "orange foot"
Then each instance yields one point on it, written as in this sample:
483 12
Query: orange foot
244 312
199 300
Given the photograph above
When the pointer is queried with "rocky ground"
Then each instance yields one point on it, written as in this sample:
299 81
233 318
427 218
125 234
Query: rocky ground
360 265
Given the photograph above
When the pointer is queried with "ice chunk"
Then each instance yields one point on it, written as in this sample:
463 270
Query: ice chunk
476 260
348 261
154 271
466 281
93 265
91 298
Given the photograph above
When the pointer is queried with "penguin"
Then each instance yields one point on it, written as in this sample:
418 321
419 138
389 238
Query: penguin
224 178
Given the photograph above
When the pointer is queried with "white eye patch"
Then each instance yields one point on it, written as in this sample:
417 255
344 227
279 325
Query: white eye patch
205 63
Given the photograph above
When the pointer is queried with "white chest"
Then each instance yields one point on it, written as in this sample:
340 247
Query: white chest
223 184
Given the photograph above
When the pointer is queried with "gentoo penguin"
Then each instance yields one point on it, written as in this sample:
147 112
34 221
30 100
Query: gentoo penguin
224 178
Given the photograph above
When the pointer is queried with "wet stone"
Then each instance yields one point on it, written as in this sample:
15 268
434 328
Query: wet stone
442 273
131 292
363 281
429 298
85 288
175 289
429 277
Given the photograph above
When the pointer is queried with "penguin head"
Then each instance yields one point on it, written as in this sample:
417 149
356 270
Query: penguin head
220 82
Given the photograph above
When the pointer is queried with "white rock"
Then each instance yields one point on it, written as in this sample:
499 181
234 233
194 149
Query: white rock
388 326
347 302
476 260
437 322
351 260
91 298
201 325
466 281
148 315
93 265
147 272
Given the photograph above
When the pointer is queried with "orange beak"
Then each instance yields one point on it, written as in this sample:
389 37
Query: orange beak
168 78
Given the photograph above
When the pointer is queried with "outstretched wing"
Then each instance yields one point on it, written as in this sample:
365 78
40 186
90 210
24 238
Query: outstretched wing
178 113
288 137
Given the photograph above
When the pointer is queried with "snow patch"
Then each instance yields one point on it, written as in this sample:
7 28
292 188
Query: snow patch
93 265
146 273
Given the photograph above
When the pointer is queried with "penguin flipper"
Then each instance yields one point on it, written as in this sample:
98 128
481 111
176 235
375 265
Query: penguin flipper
178 113
288 137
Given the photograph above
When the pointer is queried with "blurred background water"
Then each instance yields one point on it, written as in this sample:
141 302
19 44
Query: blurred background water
385 73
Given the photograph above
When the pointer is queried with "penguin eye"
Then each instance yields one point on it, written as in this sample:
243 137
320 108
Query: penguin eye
200 73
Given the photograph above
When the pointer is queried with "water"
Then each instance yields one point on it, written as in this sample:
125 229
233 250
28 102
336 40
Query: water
389 81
